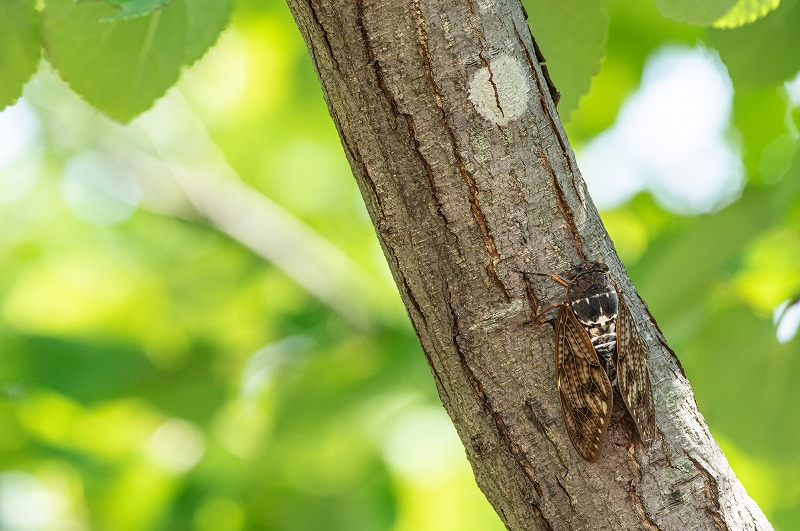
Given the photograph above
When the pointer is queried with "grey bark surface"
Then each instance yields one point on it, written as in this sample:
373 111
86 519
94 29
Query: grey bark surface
448 124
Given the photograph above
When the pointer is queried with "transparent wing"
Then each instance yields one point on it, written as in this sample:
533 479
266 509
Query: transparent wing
586 394
633 378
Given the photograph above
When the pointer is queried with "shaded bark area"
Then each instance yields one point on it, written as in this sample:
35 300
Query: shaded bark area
449 126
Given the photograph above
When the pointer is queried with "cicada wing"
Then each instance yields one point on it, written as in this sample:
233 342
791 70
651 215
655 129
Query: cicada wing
633 378
584 387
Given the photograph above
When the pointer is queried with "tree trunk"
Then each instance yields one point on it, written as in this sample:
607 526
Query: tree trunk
446 118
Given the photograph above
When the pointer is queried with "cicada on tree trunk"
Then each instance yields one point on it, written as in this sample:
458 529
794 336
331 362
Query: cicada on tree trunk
598 348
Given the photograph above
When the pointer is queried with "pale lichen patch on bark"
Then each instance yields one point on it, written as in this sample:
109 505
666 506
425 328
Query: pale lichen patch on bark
500 90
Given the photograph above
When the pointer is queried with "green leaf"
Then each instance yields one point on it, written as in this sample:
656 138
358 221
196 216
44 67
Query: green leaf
686 263
762 53
695 13
636 30
745 12
759 115
795 119
121 67
129 8
720 353
20 47
572 35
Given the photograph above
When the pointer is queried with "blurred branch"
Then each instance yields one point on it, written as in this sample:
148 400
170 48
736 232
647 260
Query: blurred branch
189 177
273 233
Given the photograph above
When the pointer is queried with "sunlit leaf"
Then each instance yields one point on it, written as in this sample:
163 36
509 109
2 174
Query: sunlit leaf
693 12
771 269
572 35
20 47
757 54
745 12
122 67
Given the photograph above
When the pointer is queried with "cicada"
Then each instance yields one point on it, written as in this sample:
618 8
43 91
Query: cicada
598 349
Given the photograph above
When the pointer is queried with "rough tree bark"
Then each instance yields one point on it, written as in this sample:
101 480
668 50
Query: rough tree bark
450 129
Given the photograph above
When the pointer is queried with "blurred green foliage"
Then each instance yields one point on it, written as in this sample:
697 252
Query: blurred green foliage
199 330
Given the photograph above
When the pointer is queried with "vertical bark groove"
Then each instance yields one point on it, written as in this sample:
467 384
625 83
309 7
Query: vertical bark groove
712 494
562 202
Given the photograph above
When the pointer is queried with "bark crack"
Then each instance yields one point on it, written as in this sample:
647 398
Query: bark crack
414 302
365 175
378 69
567 493
561 142
542 100
530 413
555 95
434 370
412 131
425 55
711 492
491 82
638 504
372 59
477 213
505 437
533 302
325 37
562 202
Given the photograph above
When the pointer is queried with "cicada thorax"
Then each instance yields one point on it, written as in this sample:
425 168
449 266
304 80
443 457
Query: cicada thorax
594 300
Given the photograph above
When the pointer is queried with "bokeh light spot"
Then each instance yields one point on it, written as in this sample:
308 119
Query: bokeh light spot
101 189
177 445
670 138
